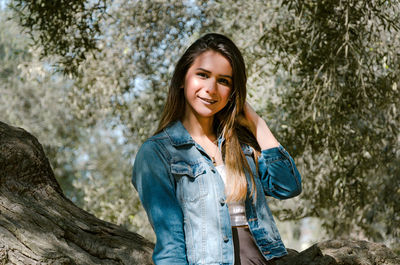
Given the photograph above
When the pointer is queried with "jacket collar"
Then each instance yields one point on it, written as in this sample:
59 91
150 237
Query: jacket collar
180 136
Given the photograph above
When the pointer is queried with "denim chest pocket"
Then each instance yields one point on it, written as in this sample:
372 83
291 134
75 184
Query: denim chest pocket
190 178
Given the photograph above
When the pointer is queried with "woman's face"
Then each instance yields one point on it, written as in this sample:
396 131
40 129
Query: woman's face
208 84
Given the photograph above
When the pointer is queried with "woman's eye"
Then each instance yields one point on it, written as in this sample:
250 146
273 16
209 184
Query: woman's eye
224 81
202 74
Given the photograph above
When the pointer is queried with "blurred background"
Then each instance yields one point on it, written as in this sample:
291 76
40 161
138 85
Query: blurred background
89 79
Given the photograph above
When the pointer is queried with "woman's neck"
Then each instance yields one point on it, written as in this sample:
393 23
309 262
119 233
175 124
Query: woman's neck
199 127
201 131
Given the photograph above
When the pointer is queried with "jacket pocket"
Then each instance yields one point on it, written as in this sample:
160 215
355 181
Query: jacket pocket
190 179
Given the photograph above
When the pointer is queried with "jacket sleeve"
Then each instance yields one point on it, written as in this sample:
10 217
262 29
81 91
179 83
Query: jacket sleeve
156 190
278 173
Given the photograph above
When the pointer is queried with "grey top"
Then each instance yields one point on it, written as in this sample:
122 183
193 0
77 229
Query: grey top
237 210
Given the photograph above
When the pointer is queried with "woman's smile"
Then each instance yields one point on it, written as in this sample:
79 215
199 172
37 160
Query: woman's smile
207 101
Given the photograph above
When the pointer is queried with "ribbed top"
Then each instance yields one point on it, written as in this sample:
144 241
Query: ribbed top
237 210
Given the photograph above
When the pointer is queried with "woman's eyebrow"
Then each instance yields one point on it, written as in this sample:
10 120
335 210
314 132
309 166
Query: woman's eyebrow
204 70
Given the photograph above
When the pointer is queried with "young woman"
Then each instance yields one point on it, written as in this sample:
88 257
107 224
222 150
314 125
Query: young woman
202 178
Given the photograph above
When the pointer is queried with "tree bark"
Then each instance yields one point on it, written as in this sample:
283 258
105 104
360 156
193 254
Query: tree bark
342 252
39 225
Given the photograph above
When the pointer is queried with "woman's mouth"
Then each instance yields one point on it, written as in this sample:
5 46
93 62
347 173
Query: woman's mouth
207 100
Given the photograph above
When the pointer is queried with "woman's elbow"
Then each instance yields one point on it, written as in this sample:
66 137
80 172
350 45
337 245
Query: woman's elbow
295 191
292 187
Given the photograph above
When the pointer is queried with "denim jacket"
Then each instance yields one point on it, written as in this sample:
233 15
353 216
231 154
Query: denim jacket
183 195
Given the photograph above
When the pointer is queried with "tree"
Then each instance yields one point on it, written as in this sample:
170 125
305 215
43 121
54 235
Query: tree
324 74
51 23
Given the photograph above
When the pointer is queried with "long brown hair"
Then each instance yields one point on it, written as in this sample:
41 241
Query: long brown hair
226 121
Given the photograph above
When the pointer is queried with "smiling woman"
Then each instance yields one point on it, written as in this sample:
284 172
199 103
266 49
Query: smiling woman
202 177
207 87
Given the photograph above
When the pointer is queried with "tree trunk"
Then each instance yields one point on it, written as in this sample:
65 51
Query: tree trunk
39 225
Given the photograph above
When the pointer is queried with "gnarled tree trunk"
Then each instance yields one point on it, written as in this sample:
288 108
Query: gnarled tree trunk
39 225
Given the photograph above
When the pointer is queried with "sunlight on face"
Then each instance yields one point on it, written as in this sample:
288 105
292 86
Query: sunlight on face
208 84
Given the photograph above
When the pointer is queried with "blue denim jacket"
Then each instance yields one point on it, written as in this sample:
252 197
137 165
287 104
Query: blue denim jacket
184 198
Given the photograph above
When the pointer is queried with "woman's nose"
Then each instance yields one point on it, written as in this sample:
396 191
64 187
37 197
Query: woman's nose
211 85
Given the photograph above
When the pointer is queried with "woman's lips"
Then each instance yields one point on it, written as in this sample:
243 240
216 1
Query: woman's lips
207 100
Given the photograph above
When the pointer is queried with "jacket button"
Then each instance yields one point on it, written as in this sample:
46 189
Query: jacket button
213 171
222 201
226 239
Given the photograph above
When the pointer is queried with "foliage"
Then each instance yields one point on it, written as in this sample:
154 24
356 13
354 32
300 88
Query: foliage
50 23
33 98
341 106
102 171
324 74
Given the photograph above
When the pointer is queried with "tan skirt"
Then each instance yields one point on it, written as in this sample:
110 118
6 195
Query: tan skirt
246 250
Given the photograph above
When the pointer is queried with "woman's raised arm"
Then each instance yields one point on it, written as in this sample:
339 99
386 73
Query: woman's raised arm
277 170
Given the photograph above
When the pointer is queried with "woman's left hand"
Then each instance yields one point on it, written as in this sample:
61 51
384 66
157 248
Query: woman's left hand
258 127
